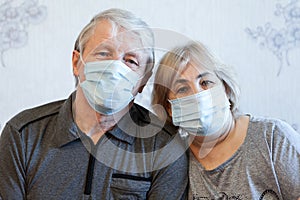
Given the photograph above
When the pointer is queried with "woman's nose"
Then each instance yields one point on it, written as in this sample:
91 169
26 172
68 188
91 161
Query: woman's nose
196 88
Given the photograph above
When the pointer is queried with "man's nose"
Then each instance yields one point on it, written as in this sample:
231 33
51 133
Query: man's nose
118 56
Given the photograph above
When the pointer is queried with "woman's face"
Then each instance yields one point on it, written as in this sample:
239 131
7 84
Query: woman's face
206 115
192 80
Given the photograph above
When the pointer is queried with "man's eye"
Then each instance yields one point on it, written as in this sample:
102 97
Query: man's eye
131 61
103 54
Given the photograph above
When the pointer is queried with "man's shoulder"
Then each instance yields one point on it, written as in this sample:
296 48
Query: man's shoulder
34 114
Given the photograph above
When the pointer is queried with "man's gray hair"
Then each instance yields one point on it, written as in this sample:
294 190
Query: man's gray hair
120 19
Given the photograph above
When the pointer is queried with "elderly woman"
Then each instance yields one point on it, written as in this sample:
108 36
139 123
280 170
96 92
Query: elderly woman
232 155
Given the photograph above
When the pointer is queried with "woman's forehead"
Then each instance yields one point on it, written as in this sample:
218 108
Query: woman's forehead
194 69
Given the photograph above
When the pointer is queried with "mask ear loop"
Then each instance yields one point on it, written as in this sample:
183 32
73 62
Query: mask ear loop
81 59
78 80
83 63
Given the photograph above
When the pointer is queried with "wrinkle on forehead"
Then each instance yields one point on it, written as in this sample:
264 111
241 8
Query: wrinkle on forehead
117 37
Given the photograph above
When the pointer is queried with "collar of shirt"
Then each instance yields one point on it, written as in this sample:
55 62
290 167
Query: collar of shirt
67 130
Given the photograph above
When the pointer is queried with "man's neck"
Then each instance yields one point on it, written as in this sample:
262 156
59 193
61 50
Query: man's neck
90 122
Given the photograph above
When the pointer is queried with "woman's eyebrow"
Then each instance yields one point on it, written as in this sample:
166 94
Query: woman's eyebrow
198 77
180 81
203 74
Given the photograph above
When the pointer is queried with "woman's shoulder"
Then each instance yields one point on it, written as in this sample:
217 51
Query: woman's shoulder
270 123
274 130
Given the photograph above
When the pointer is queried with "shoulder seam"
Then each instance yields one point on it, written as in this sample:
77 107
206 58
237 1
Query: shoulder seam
34 114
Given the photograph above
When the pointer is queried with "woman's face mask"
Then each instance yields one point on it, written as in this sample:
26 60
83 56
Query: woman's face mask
203 113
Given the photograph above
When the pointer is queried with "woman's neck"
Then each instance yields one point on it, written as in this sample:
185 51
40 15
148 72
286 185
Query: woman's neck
206 143
213 154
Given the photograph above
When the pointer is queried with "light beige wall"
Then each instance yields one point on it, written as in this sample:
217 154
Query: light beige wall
40 70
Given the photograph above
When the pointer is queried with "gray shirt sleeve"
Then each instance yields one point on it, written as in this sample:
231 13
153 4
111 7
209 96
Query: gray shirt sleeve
284 144
12 164
171 182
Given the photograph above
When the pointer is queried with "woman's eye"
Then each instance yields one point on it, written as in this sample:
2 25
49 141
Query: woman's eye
182 90
206 83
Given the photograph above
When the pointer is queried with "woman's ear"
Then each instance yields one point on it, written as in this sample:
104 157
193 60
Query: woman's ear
169 109
227 89
75 62
161 111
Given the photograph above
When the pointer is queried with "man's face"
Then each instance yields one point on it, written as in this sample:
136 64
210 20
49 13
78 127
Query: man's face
107 43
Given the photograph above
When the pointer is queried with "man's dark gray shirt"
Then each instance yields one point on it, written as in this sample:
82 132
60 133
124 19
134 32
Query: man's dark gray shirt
44 155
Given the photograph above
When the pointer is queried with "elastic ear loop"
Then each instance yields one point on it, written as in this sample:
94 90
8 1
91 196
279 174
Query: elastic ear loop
83 63
81 58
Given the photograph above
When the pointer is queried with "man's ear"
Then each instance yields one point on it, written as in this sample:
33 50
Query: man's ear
75 61
144 80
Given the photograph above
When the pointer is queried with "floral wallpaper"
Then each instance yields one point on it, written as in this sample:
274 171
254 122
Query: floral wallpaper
279 35
280 40
14 22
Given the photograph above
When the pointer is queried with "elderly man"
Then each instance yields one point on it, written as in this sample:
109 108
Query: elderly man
97 144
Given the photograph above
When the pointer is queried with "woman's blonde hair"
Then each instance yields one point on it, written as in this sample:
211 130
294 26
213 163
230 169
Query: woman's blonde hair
175 61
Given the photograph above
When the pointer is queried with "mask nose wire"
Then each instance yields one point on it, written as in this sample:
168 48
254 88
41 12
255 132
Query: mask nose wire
121 60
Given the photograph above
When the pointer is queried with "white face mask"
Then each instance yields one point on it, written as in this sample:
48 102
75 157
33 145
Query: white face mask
108 85
202 114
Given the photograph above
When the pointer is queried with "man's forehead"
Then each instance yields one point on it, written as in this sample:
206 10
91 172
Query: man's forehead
106 29
120 45
106 34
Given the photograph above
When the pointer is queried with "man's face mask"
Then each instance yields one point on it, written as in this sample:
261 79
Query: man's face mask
202 114
108 85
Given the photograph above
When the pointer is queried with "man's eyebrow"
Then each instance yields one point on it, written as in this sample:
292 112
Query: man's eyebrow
130 53
103 46
137 53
